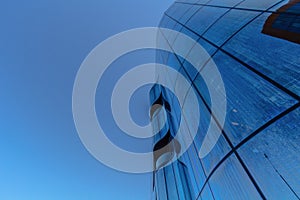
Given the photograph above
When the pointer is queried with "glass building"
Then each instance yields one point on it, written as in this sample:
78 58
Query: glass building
255 45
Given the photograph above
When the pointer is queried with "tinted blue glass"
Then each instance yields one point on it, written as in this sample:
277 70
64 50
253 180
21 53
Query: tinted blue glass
194 55
203 1
172 10
155 93
179 85
180 183
190 69
179 10
182 71
187 32
167 23
279 5
192 160
214 157
188 191
193 1
251 57
160 185
230 181
172 37
229 3
258 4
189 14
283 69
205 17
220 149
276 151
184 46
195 170
171 182
244 115
206 194
173 62
202 89
162 56
164 21
176 112
208 47
230 23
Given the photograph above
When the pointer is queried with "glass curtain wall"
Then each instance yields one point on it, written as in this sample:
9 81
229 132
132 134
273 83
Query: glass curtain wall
255 46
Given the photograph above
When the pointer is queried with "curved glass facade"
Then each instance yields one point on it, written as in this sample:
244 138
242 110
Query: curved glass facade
256 48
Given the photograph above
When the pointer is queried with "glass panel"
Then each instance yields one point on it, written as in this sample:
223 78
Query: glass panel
173 62
186 188
187 32
191 71
206 194
172 37
180 88
183 46
193 1
167 22
201 60
164 21
162 56
178 10
193 9
276 7
228 3
230 181
171 182
277 58
276 151
216 155
160 184
251 101
258 4
180 183
173 9
202 89
175 114
220 149
204 18
192 160
167 77
182 71
228 25
196 172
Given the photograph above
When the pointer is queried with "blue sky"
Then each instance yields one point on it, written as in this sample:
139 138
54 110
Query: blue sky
42 44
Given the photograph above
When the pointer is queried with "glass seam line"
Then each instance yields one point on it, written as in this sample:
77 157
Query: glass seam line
217 120
276 84
185 97
225 136
229 9
246 9
259 130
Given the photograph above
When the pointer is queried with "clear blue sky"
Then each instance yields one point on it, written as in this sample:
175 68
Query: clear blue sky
42 44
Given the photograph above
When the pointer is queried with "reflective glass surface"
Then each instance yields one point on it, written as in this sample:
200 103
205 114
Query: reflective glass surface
255 46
